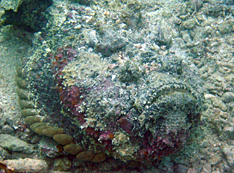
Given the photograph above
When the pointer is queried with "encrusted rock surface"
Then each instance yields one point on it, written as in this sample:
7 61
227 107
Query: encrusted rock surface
28 14
180 32
28 165
11 5
14 144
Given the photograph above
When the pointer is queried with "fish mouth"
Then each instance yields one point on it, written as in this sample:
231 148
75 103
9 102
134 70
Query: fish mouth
171 88
171 108
164 123
174 97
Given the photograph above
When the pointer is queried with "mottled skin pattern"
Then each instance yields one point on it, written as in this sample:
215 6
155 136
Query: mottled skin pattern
129 111
149 113
113 98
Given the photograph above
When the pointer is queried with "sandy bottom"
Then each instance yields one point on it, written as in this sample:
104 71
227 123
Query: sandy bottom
11 50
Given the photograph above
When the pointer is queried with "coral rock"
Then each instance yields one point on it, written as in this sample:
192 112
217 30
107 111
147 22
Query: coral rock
62 164
28 165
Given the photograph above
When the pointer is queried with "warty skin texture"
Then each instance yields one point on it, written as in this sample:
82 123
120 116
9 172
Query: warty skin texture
108 93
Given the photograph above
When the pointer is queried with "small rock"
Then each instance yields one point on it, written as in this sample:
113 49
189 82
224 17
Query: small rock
192 170
231 106
59 172
4 153
206 168
12 143
189 24
28 165
228 150
219 104
215 159
62 164
7 129
228 97
181 168
77 163
34 139
49 147
209 96
218 77
109 165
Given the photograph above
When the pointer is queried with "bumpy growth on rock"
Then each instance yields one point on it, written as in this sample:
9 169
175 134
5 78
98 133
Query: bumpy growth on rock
108 90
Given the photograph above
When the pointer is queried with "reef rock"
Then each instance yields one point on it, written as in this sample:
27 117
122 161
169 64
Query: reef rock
27 165
11 5
12 143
